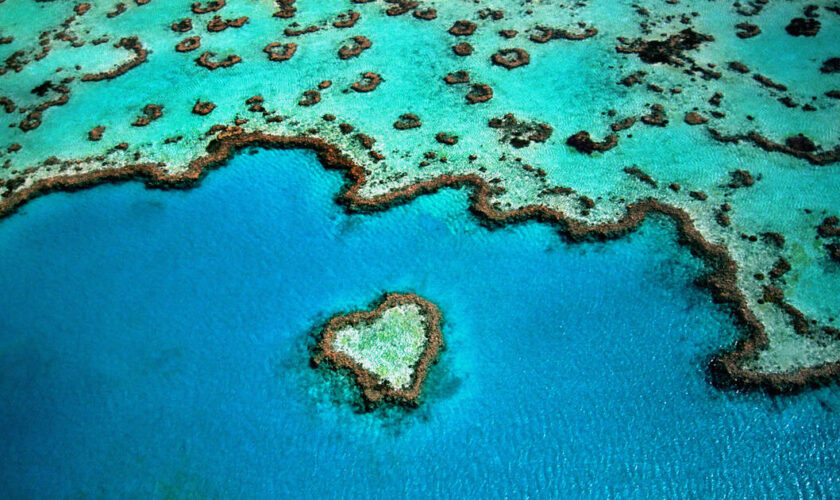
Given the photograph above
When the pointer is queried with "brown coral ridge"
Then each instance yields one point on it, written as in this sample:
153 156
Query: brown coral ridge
801 26
480 92
446 139
203 108
368 83
656 117
288 50
725 368
463 27
286 9
129 43
747 30
694 118
582 142
151 112
310 98
205 60
182 26
520 133
211 6
188 44
347 20
95 134
298 32
767 82
545 34
511 58
425 14
407 121
623 124
457 77
400 7
357 45
797 146
118 9
374 389
462 49
641 175
218 24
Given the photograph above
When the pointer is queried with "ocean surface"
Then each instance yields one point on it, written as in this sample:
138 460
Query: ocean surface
156 344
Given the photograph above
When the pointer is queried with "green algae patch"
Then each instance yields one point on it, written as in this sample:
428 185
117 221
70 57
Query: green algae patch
388 348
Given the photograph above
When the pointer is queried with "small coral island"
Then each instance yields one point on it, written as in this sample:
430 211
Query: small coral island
388 349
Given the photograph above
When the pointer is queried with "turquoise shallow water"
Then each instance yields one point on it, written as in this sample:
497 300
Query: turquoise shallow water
156 343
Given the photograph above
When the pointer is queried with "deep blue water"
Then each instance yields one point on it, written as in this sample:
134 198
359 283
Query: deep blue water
156 343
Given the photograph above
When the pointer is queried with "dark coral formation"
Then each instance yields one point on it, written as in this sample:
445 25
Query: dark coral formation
741 178
183 25
767 82
368 83
347 20
694 118
310 98
739 67
656 117
218 24
582 142
780 268
291 31
545 34
400 7
95 133
203 108
425 14
457 77
480 93
511 58
747 30
463 28
670 51
211 6
357 45
520 133
633 79
118 9
446 138
623 124
287 50
286 9
802 26
462 49
829 227
188 44
407 121
151 112
641 175
831 65
205 60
